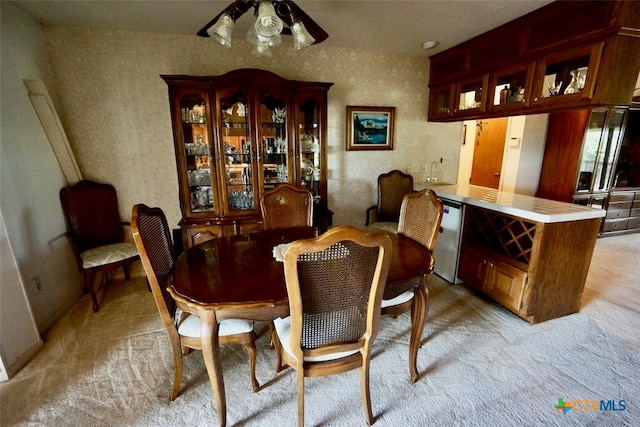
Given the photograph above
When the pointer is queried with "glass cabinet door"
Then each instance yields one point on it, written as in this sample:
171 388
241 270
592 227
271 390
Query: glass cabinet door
274 140
599 150
311 167
440 101
608 152
197 154
472 95
511 88
568 77
237 152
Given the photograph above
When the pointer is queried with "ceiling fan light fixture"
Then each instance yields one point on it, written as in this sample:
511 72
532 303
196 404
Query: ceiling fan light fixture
301 37
268 24
221 30
270 19
254 38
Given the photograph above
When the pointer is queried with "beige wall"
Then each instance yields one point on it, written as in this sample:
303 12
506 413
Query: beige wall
116 110
30 179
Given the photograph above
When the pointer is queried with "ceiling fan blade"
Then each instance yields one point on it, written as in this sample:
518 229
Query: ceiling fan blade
236 9
314 29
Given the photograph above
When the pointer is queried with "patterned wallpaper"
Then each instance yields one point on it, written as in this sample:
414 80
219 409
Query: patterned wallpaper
115 109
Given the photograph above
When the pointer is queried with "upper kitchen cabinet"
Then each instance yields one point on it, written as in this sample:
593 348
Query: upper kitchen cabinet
510 88
471 96
238 135
565 55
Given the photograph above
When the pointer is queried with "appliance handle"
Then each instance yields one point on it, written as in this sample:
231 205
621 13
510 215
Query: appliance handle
451 203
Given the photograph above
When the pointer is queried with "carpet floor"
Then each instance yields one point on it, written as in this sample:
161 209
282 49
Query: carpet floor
480 365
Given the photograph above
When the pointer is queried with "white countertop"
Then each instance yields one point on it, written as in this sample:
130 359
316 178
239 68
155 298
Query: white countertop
526 207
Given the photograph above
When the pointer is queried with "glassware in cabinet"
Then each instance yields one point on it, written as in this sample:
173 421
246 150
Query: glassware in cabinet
237 152
274 140
568 77
511 88
472 95
310 152
441 101
197 153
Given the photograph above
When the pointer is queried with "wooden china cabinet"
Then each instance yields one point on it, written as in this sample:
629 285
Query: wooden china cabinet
239 134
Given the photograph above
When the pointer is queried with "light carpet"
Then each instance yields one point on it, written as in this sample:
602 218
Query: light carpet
479 364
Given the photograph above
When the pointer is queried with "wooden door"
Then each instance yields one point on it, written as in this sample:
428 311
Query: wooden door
488 151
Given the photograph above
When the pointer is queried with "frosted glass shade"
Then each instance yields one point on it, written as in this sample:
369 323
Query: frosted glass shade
301 37
268 24
221 30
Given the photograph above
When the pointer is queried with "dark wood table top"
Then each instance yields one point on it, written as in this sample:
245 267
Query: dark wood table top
240 271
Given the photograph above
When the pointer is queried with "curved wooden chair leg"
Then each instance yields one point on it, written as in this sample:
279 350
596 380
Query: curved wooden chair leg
251 349
300 390
177 362
89 278
418 315
364 391
278 348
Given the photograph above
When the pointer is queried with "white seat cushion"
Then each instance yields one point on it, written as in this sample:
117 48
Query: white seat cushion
391 227
189 325
400 299
283 329
104 255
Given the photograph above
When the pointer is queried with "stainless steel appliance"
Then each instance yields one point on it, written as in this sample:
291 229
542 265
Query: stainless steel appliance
447 249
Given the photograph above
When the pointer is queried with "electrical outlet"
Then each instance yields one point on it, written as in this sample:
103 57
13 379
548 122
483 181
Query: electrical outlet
424 168
37 284
447 160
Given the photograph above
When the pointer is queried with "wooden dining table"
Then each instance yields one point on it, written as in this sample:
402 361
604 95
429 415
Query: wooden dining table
238 277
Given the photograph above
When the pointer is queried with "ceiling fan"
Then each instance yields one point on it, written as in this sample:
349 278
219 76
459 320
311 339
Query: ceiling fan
271 15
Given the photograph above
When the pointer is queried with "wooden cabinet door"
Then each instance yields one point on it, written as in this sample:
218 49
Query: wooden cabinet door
505 284
472 269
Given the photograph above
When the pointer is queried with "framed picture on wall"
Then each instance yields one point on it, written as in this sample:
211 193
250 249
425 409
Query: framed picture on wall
370 128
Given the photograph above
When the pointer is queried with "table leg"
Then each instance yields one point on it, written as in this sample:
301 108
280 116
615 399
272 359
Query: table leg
211 353
418 314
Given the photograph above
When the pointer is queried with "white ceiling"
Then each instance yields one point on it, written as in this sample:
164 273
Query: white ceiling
382 25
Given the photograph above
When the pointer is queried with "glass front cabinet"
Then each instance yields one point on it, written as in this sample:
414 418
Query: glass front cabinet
238 135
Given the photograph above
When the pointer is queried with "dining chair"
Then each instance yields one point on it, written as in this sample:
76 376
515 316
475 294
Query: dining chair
335 284
392 187
152 237
96 232
285 206
420 217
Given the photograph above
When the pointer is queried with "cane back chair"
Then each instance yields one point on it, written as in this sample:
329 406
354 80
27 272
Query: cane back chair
153 239
420 218
335 284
